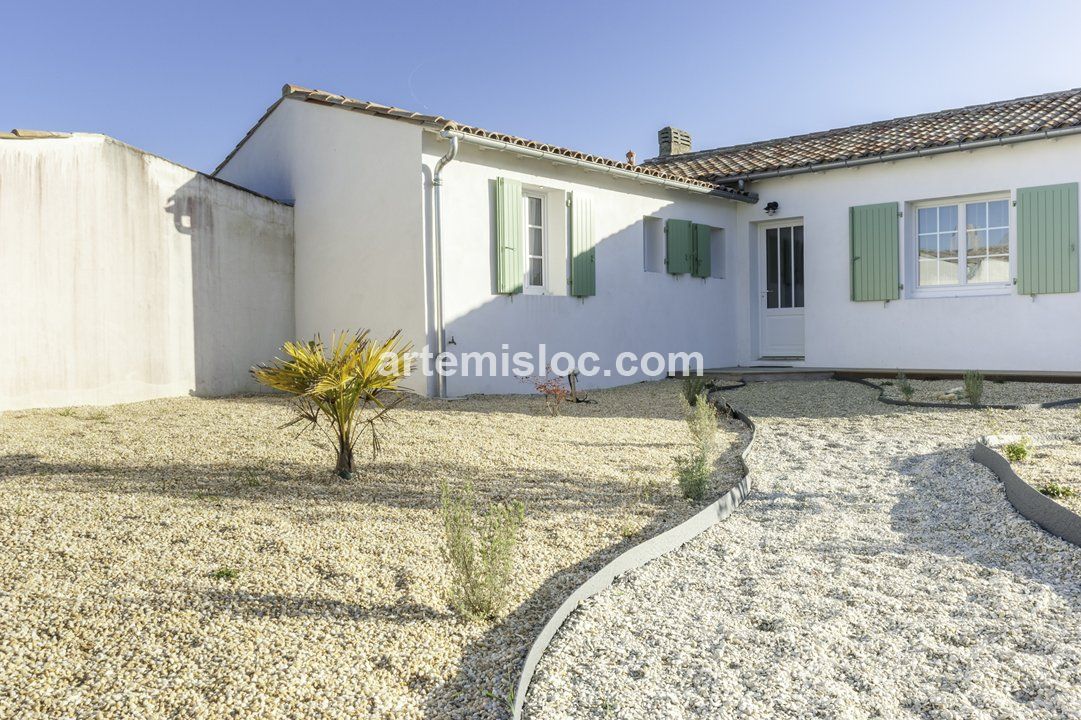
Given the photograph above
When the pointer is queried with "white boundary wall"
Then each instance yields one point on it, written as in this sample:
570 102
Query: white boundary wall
125 277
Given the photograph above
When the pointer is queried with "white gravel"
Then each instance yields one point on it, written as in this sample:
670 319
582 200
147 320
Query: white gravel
875 571
994 392
186 558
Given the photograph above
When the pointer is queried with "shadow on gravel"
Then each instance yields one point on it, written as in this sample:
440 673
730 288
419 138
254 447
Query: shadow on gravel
398 485
957 508
490 667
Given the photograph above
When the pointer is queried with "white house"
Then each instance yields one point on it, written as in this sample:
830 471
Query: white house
945 241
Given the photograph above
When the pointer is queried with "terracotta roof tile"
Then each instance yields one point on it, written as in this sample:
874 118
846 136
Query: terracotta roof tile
295 92
918 132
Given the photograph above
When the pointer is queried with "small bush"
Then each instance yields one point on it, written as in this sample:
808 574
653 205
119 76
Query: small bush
693 386
702 423
904 385
480 552
974 386
1057 490
693 470
1017 452
555 391
225 573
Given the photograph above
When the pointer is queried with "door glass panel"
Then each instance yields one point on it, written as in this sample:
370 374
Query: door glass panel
786 267
797 259
536 271
771 268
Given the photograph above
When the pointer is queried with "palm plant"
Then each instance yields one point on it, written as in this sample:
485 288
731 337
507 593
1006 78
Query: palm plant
343 393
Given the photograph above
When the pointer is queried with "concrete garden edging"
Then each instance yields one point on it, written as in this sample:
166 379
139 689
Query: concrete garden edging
638 556
954 406
1053 517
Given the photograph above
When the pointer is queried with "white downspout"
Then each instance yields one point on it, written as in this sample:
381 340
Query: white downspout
437 261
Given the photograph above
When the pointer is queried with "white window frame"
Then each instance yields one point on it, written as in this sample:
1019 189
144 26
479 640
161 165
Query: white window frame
526 254
959 289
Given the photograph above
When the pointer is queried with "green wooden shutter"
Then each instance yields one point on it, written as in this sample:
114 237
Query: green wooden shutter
875 252
583 247
1047 239
701 251
509 262
678 251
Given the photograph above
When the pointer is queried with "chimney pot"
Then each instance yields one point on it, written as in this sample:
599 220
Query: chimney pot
673 141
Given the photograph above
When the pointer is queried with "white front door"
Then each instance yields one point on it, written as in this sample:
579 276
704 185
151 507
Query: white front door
780 285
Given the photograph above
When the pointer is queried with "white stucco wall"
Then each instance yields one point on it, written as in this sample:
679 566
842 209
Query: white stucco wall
125 277
988 332
364 212
633 310
357 187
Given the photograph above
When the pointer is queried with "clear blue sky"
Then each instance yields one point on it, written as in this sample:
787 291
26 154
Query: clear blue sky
186 79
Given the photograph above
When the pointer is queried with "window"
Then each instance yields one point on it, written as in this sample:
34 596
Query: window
963 243
533 213
716 252
784 267
653 244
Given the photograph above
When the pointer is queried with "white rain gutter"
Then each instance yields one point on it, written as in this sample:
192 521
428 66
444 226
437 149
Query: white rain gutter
888 157
437 261
597 167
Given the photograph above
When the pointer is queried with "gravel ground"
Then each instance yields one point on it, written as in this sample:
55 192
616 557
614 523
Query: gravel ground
994 393
1055 460
185 558
875 571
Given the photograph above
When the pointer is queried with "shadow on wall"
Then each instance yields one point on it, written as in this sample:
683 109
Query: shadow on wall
633 310
241 281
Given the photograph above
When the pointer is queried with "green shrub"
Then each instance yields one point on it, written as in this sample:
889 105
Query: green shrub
904 385
693 470
225 573
974 386
480 552
1056 490
692 387
1017 451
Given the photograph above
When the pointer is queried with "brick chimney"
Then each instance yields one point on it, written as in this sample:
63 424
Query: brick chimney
673 141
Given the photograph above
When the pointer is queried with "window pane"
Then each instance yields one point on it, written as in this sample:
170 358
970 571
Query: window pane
536 241
947 218
998 213
976 215
928 245
536 271
977 242
998 268
786 267
998 241
947 244
928 220
949 259
976 272
797 251
535 207
771 268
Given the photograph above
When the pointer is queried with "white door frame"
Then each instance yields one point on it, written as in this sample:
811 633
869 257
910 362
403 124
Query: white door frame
781 327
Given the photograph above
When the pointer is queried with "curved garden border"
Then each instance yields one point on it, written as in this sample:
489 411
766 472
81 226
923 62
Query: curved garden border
639 555
1056 519
952 406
